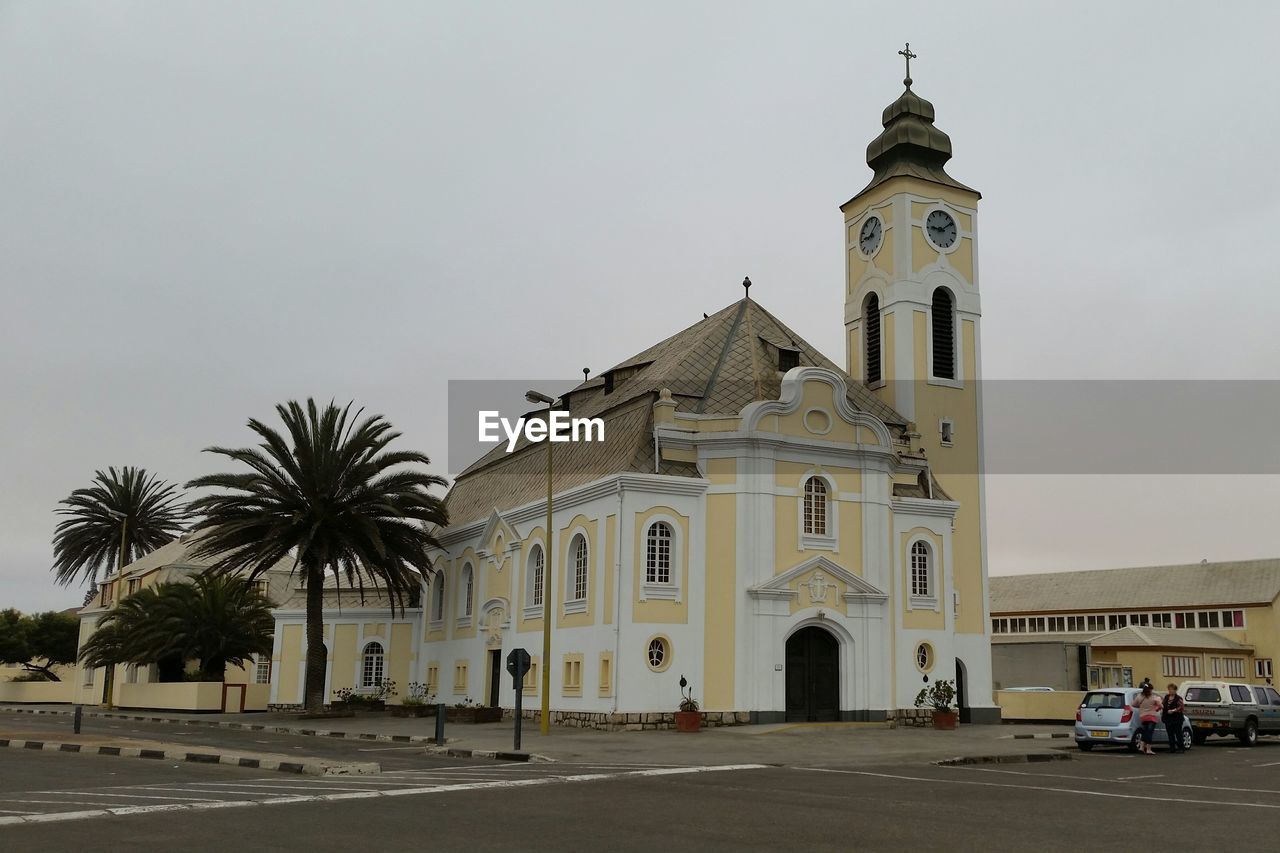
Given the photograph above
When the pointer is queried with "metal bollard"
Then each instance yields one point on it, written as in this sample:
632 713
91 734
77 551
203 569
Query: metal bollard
76 719
440 715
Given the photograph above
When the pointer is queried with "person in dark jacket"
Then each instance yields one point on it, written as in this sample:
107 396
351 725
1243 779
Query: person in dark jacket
1171 714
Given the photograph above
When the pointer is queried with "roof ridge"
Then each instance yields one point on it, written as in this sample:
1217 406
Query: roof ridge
724 353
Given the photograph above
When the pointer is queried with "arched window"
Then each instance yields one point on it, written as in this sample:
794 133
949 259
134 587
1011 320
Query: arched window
921 580
578 553
871 337
657 553
535 574
437 599
468 589
371 665
944 334
815 507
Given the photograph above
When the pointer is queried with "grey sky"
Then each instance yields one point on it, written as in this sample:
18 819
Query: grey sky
209 208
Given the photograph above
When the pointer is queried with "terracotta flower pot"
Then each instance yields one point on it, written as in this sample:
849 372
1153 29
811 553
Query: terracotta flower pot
688 721
945 720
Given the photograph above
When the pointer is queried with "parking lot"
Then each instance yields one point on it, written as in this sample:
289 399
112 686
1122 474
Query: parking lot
1106 799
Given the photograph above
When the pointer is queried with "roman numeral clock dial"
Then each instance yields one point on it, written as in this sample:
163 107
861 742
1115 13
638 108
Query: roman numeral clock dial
941 229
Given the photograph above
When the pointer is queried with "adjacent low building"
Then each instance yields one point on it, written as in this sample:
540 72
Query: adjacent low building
1114 627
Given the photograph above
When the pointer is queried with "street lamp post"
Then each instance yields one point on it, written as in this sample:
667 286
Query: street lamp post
544 723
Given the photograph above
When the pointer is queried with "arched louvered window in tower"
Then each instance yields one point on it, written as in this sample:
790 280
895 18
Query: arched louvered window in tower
944 335
871 337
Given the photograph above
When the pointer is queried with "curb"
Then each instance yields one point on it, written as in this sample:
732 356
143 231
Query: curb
1019 758
427 741
307 768
1044 736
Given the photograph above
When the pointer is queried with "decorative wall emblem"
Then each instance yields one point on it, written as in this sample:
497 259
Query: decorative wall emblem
818 588
494 628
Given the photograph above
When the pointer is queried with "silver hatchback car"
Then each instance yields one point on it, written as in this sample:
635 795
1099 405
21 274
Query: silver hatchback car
1107 717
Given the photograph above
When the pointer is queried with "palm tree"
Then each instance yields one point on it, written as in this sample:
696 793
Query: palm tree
122 516
217 620
332 497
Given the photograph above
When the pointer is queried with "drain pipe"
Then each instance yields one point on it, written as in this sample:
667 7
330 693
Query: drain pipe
617 606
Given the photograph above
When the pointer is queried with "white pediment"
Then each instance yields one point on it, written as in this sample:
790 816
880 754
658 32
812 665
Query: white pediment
497 524
856 588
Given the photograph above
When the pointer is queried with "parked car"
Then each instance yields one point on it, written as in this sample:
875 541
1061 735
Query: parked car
1106 717
1230 708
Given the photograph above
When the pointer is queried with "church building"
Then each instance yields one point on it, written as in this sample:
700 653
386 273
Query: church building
800 540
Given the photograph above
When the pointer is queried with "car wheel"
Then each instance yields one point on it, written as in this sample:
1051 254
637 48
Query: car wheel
1188 737
1085 746
1249 737
1136 742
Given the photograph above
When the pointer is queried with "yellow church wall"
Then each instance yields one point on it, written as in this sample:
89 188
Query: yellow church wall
922 254
374 629
816 417
342 657
720 609
400 658
922 620
858 264
883 258
915 186
289 690
585 527
961 258
722 472
652 610
607 573
854 348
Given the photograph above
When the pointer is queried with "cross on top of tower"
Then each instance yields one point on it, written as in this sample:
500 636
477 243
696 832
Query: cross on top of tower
908 55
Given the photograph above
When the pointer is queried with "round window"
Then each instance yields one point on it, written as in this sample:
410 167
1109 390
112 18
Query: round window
924 657
659 653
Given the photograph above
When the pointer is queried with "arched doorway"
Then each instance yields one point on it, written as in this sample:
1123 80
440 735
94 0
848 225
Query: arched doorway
962 697
813 676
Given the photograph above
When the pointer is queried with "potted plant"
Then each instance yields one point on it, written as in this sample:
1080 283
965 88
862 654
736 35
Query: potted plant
688 719
418 702
467 711
941 697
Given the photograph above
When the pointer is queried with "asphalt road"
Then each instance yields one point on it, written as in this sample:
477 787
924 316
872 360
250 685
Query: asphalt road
392 756
1101 801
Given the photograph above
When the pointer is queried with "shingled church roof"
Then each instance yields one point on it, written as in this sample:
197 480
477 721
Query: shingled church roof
716 366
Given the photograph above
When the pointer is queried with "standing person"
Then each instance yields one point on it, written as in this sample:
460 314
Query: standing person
1148 706
1171 711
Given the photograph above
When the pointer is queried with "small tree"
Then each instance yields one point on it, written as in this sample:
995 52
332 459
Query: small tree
217 621
39 641
941 695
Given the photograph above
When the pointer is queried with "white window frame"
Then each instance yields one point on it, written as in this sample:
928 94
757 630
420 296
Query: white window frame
670 591
1262 668
467 589
259 664
829 541
380 671
572 603
532 594
929 601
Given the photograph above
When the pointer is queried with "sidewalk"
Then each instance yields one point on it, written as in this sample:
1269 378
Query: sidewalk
781 744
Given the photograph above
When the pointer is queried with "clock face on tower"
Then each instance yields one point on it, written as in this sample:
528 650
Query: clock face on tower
870 235
940 228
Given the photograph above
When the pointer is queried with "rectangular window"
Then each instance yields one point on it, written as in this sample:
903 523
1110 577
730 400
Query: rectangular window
606 675
1162 620
1186 666
262 670
433 678
1233 667
1262 668
531 677
1058 623
787 359
1239 693
460 677
573 676
88 676
1097 623
133 586
106 594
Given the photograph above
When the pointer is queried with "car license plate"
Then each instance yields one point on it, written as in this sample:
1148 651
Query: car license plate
1203 725
1098 733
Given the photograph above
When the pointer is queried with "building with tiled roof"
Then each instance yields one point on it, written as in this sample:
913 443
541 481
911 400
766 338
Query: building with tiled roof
798 539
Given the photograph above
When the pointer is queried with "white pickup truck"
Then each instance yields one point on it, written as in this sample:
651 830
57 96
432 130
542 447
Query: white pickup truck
1226 708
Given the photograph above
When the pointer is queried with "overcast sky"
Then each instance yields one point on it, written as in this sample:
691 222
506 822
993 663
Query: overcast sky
209 208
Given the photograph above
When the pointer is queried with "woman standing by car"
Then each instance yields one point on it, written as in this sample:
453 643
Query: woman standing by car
1148 706
1171 711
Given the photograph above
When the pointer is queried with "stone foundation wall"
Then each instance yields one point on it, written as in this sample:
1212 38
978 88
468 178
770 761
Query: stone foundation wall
632 722
911 717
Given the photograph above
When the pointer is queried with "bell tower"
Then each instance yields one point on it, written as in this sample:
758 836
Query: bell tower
913 317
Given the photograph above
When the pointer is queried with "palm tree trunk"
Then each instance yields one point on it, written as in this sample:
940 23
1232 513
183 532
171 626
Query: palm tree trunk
314 689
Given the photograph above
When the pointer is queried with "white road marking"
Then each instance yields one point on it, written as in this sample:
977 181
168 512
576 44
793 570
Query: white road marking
355 795
1120 779
1269 764
1041 788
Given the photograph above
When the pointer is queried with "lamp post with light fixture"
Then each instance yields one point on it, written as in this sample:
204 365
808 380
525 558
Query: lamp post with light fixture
544 723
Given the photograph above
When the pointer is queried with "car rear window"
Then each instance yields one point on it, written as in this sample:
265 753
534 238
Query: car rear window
1104 700
1203 694
1239 693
